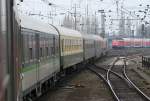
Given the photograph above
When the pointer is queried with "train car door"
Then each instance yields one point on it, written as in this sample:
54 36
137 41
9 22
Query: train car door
62 42
84 49
54 51
2 56
12 36
15 58
39 53
57 54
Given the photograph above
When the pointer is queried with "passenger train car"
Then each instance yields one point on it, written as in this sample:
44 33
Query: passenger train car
34 55
118 43
9 52
40 53
131 43
48 51
2 57
71 47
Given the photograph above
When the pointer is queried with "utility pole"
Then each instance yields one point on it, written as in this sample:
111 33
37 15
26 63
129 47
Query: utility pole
87 19
128 27
75 16
95 24
103 24
87 11
117 4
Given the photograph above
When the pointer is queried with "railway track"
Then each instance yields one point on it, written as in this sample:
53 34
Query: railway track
136 80
121 87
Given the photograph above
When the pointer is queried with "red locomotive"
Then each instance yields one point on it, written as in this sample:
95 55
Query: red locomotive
131 42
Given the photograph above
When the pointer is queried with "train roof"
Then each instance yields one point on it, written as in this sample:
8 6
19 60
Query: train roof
68 32
33 24
135 39
97 37
119 39
93 37
88 36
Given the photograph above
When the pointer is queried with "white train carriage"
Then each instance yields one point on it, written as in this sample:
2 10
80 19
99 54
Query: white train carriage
89 48
138 43
99 41
146 43
40 53
104 45
71 46
48 50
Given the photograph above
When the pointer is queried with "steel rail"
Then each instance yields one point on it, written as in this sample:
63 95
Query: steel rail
105 80
141 92
123 78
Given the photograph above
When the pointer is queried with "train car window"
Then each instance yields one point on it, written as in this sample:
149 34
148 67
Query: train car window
41 46
67 45
87 43
48 44
45 45
34 46
30 53
52 51
73 45
70 45
30 45
46 51
54 45
41 52
62 41
24 45
57 46
26 52
79 44
64 44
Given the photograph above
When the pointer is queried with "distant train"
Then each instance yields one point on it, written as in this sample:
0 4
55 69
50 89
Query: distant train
131 43
37 54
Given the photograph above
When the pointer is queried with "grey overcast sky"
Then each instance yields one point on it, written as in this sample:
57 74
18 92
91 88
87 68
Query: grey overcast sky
39 5
62 6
